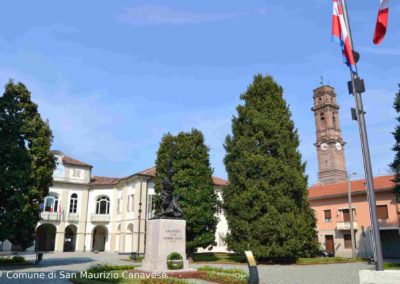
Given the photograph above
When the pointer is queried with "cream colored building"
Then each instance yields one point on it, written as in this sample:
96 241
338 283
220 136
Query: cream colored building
91 213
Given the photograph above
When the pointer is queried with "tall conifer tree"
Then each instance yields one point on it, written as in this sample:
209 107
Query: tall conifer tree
192 182
266 201
26 164
396 148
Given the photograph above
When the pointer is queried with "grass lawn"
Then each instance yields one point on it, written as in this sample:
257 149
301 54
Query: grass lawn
227 258
391 266
327 260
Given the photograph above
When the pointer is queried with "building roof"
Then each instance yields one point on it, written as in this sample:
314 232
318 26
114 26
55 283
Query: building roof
219 181
68 160
320 191
71 161
98 180
101 180
151 172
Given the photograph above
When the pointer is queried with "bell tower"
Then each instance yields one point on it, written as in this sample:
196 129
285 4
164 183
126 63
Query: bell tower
329 141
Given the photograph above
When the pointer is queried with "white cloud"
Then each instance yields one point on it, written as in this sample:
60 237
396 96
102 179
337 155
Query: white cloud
158 15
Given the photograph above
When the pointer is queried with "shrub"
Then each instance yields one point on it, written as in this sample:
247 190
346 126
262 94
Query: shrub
219 257
174 261
106 267
14 260
18 259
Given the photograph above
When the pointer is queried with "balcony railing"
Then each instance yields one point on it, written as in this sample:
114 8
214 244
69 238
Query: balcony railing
341 226
73 217
50 216
100 218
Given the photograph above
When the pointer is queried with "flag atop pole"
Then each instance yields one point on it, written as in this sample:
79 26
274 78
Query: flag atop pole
381 21
340 34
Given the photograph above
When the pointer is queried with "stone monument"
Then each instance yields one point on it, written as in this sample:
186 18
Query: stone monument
166 233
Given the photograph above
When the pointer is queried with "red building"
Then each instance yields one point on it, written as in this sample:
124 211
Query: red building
330 202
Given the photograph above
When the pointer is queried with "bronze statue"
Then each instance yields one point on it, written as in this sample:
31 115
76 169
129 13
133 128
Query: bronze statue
170 208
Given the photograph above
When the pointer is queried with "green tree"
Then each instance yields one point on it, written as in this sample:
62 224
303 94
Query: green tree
26 164
266 200
396 148
192 182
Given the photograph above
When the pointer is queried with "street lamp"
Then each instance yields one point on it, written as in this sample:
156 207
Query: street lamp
353 246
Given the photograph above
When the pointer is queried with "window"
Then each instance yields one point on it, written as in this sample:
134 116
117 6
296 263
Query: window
131 201
151 206
119 205
51 203
334 120
346 215
327 215
322 116
73 203
219 209
103 205
382 212
76 173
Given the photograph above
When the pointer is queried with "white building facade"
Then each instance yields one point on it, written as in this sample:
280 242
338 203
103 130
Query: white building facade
90 213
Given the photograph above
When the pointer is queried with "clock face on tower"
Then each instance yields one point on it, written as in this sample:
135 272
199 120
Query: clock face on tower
324 146
338 146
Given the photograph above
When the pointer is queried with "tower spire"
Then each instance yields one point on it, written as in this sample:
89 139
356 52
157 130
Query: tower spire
329 141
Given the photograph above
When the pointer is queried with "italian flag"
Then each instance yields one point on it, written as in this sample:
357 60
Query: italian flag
382 21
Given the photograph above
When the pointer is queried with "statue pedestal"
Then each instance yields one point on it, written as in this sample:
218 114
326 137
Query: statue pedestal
164 236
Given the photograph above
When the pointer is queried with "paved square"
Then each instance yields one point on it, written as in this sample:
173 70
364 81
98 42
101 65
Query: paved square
269 274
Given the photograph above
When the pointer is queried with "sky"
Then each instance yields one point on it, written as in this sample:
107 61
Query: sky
113 76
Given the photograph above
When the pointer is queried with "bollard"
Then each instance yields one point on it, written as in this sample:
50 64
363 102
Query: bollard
39 257
252 268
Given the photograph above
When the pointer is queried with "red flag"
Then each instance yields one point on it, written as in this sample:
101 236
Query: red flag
341 34
382 21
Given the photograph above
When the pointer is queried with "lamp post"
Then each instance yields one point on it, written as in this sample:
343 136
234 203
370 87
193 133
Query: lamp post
353 242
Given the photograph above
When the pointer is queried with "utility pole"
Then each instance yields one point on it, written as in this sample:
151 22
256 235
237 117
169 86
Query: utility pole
353 243
357 87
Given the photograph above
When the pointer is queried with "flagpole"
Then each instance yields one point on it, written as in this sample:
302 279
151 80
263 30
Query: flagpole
366 154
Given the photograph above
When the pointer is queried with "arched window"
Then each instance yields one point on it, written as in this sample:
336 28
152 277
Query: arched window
151 206
59 171
334 120
73 203
103 205
51 203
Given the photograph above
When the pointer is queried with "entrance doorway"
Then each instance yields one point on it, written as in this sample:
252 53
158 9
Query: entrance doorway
390 243
329 244
99 238
70 238
46 237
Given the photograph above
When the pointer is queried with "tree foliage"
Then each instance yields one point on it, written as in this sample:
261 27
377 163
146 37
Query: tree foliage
396 148
192 183
266 200
26 164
